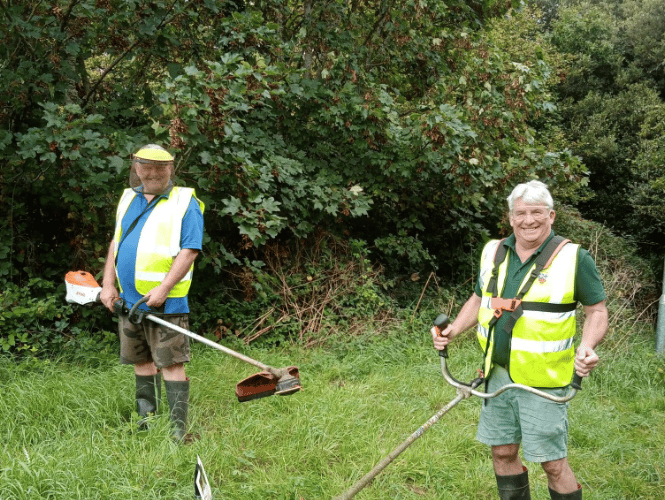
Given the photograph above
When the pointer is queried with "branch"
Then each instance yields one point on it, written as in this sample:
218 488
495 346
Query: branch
65 18
378 23
106 72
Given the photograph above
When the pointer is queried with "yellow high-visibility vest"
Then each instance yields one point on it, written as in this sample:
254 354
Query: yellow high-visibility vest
542 351
159 242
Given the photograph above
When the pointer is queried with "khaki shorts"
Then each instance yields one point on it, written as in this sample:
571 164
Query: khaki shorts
517 416
149 341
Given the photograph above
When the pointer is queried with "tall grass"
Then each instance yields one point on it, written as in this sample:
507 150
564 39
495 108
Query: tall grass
68 430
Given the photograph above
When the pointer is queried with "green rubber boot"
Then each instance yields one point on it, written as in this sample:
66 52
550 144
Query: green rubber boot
514 487
148 396
177 392
575 495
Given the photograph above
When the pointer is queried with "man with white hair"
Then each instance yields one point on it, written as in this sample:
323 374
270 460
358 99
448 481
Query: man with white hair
529 340
158 235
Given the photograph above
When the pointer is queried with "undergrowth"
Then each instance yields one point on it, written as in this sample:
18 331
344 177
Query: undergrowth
35 321
308 292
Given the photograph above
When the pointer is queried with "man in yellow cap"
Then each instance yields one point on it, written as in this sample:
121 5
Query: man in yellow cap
158 235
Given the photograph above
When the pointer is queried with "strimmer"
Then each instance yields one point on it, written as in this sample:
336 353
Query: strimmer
464 391
83 289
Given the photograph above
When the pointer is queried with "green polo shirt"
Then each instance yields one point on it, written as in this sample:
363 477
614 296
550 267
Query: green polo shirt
589 288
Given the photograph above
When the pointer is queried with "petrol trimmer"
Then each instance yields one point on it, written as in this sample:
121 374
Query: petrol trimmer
464 391
83 289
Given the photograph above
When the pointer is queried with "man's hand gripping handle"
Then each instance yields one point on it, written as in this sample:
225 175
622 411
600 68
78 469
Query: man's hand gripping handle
441 323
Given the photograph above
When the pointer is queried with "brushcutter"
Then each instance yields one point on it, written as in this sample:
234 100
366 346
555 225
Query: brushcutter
464 391
83 289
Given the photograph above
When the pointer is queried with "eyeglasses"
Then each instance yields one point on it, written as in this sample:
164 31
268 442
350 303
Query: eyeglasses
538 214
151 166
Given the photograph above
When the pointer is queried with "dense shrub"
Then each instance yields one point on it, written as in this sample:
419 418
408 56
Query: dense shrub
35 320
611 105
400 130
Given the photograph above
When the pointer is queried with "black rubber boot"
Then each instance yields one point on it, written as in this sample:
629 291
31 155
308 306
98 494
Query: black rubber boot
177 392
575 495
514 487
148 396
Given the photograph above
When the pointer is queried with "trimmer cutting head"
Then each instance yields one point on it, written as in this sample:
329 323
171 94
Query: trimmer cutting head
281 382
287 385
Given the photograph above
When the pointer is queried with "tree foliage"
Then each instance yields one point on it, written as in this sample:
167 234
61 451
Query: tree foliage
403 126
612 110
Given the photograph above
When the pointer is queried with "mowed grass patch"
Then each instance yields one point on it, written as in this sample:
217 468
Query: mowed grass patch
69 429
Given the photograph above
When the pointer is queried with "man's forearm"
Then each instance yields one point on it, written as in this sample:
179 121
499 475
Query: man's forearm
180 267
109 292
109 267
468 315
595 325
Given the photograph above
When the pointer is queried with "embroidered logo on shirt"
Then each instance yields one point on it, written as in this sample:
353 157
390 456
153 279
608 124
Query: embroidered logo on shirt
542 278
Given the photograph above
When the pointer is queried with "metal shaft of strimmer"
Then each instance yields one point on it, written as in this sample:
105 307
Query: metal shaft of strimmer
210 343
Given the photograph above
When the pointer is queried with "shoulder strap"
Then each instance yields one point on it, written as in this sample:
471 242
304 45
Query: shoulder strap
499 257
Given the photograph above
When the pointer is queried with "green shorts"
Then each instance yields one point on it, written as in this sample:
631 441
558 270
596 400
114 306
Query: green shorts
517 416
150 341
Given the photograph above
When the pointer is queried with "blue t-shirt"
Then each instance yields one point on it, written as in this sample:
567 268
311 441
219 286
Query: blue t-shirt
191 237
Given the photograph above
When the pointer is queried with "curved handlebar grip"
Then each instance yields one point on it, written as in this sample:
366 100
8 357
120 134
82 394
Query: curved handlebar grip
441 323
577 382
134 315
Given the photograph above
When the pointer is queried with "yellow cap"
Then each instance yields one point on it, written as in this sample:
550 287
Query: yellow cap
153 152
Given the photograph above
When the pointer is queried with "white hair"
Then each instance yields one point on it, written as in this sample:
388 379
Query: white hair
531 192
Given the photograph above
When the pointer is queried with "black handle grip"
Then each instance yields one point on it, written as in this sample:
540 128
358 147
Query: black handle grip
119 306
577 382
441 323
135 315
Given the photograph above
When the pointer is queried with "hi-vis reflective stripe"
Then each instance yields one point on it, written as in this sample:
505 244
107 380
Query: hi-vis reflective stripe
541 346
158 277
548 316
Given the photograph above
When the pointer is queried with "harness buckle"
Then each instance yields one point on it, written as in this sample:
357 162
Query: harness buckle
500 304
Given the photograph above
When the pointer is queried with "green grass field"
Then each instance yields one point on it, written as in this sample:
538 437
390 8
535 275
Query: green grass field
68 429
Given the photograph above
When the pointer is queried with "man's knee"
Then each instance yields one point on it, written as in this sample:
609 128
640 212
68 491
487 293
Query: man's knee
174 372
556 468
506 459
145 368
560 474
505 452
